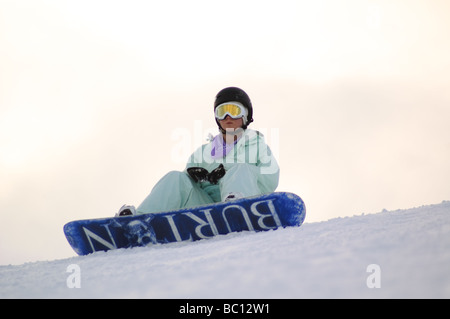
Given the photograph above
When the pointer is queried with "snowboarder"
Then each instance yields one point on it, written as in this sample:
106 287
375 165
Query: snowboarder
236 163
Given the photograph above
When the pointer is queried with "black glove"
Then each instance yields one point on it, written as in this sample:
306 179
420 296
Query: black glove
216 174
198 174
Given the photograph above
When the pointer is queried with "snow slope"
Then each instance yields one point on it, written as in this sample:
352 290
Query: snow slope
318 260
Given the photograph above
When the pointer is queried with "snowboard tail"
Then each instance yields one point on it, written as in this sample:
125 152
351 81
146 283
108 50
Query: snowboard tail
259 213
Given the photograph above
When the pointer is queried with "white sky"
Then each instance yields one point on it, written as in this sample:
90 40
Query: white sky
99 99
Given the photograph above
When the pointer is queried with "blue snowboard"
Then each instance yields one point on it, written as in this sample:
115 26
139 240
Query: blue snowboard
257 213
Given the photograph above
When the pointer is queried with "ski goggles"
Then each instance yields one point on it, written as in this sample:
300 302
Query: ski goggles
234 109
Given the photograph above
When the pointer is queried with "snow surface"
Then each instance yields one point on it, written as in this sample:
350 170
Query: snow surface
318 260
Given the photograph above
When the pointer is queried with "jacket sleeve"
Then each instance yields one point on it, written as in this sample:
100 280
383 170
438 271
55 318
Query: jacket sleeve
269 171
196 159
200 158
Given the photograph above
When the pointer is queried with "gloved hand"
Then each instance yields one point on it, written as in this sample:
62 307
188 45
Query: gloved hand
198 174
216 174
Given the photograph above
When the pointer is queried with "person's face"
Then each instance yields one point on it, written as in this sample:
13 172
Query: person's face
231 124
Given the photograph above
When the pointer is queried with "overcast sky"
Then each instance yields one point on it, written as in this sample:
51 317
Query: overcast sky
99 99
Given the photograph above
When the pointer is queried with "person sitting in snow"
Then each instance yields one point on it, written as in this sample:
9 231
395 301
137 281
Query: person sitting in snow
236 163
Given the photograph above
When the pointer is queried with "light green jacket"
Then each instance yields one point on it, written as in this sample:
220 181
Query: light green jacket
251 150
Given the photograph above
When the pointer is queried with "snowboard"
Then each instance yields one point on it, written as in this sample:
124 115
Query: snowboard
258 213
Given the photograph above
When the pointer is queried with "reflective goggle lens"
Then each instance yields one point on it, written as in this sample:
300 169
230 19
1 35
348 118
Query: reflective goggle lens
233 110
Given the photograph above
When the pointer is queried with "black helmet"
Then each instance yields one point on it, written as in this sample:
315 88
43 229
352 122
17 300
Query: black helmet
238 95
